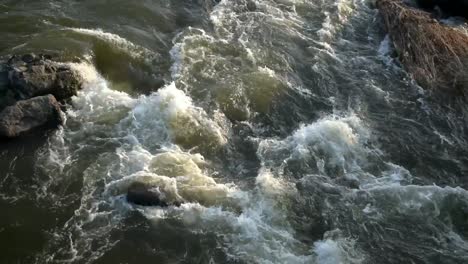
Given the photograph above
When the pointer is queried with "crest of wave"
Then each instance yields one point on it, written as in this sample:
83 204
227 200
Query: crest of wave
336 147
169 115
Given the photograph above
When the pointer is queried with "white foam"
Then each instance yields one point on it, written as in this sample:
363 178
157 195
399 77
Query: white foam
97 102
184 43
386 50
333 141
270 184
160 134
337 250
117 41
170 116
337 133
338 147
260 234
328 252
385 47
335 17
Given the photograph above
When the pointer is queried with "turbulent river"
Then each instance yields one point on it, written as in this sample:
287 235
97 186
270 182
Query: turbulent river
287 127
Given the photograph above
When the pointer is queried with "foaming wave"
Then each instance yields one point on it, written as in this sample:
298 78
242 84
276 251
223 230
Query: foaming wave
144 145
336 15
169 114
111 140
244 78
203 66
145 149
179 176
335 249
230 18
97 102
117 41
91 119
338 147
260 233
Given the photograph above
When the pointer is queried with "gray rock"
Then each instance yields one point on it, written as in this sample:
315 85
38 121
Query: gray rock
32 75
30 114
141 194
28 58
7 97
3 77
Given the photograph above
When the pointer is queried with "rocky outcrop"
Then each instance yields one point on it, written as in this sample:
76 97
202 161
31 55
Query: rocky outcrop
436 55
28 114
30 88
142 194
32 75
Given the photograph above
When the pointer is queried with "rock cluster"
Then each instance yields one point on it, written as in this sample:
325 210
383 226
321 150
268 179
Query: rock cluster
31 88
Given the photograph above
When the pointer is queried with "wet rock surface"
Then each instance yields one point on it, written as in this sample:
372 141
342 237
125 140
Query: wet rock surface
31 75
141 194
29 114
31 87
7 96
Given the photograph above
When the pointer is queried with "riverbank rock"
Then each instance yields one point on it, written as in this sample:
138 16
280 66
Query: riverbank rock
142 194
436 55
30 86
29 114
30 75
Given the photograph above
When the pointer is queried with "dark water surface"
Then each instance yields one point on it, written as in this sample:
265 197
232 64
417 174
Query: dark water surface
285 126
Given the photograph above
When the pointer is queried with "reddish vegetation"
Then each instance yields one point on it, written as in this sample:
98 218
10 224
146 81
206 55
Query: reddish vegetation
436 55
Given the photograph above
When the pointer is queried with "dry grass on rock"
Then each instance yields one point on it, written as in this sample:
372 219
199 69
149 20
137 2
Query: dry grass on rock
435 54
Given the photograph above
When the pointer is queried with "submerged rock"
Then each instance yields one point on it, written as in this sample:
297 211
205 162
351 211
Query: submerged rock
32 75
142 194
29 114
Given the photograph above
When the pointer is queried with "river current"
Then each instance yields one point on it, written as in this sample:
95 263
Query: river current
287 127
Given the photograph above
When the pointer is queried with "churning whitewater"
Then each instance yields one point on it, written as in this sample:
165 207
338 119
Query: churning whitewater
284 128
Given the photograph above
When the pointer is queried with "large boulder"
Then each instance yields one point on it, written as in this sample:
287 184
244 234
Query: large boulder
31 75
27 115
142 194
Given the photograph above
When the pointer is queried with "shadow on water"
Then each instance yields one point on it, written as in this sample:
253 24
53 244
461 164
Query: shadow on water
146 237
25 220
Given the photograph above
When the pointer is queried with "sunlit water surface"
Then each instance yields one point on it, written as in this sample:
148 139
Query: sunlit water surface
286 126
